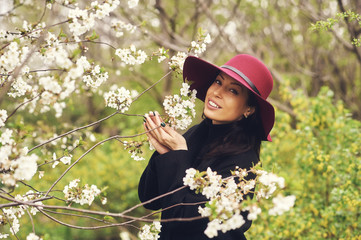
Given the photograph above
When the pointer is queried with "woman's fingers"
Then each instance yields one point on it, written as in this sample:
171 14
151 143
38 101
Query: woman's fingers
163 133
153 125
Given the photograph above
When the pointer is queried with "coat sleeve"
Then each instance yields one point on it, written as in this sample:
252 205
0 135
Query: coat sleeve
165 173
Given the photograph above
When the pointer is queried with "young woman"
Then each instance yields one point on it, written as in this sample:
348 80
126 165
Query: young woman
237 118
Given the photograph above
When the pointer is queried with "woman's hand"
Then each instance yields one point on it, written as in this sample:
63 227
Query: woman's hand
161 136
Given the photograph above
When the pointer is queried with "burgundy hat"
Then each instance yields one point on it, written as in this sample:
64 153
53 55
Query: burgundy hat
246 69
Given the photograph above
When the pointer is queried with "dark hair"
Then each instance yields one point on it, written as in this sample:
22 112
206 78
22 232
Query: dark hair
244 135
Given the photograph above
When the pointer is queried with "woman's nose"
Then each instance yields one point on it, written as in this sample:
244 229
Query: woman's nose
218 92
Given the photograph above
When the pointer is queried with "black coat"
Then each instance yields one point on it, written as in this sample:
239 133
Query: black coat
165 173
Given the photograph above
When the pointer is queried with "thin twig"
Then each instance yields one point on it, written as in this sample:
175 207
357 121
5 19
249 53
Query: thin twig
146 90
77 215
15 7
79 227
42 16
121 215
22 105
31 219
97 144
74 130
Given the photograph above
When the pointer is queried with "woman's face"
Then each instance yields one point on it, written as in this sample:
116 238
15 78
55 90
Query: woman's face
226 100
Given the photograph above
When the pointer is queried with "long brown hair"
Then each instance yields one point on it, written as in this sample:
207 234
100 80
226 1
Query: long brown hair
244 135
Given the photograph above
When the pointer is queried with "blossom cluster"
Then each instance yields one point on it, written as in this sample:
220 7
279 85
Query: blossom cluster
64 159
200 45
162 54
95 77
15 164
133 3
131 56
177 61
180 108
224 208
50 89
33 236
119 26
134 148
82 195
119 98
3 117
12 58
150 232
82 20
13 214
269 182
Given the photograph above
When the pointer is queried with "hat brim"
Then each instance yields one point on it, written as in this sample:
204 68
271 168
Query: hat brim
201 75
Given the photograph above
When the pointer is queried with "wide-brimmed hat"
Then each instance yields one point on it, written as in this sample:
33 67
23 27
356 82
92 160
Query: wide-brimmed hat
246 69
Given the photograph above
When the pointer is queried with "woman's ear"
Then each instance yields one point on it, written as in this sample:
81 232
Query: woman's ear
249 111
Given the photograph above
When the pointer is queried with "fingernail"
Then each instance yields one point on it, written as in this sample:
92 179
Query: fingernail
144 120
154 113
146 115
162 124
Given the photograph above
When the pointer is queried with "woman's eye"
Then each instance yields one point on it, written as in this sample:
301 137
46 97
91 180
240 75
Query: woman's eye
217 82
234 91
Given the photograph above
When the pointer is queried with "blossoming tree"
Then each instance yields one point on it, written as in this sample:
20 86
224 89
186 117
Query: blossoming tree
45 65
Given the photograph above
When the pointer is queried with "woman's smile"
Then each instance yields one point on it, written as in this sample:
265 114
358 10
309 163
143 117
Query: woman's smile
212 104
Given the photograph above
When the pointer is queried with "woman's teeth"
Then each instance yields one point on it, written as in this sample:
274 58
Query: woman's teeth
213 104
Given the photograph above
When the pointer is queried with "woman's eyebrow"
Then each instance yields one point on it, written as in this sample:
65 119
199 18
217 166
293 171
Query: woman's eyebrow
238 84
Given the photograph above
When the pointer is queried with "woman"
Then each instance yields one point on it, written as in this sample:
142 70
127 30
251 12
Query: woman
237 119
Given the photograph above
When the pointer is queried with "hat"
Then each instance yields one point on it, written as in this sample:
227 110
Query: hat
246 69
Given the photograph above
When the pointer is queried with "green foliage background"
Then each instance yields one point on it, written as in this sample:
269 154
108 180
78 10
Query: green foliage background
317 151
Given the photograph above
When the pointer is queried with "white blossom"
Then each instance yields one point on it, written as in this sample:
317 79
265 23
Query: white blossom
150 232
33 236
207 39
136 157
270 181
188 180
19 88
3 117
254 211
3 235
82 195
66 159
124 236
25 167
133 3
131 56
58 107
119 26
95 78
180 109
236 221
119 99
282 204
212 228
205 212
50 84
5 137
177 61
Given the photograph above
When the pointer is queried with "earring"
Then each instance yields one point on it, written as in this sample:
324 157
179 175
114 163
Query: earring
246 116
